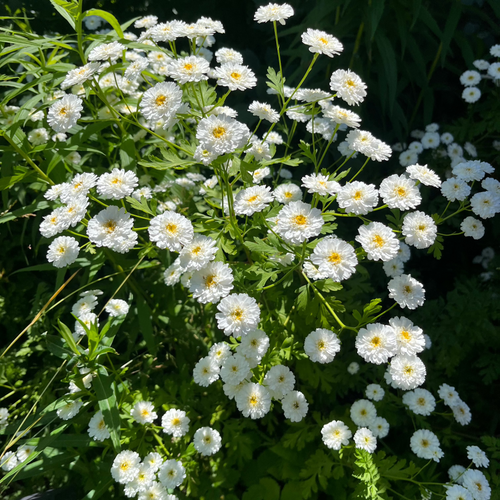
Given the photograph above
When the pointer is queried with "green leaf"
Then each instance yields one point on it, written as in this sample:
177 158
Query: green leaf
259 246
374 15
107 17
127 152
105 390
102 488
144 313
388 57
452 19
246 169
68 337
57 347
276 81
68 10
141 206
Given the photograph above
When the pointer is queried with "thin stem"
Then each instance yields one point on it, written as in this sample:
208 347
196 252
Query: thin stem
361 169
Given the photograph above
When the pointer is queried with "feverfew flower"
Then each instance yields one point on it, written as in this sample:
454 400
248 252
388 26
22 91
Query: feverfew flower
234 369
97 428
342 116
106 52
253 346
221 134
425 444
485 204
420 229
117 184
295 406
407 371
374 392
273 12
353 368
322 345
207 441
420 401
211 283
348 86
363 412
226 55
468 171
64 114
470 78
219 352
358 198
8 461
125 466
397 191
431 140
239 313
171 474
478 456
334 258
462 413
143 412
161 102
38 136
319 183
80 75
477 484
457 492
253 400
117 307
188 69
280 381
206 371
285 193
335 434
380 428
63 251
455 189
235 76
378 241
376 343
365 440
472 227
298 221
409 338
322 42
448 394
471 94
253 199
175 422
69 410
264 111
423 174
171 230
198 253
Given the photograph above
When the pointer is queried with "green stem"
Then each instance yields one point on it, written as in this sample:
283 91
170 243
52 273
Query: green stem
361 169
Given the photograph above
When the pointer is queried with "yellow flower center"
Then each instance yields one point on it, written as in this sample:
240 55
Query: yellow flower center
125 465
421 401
406 335
407 289
288 194
252 198
358 195
425 443
300 220
110 226
378 240
401 191
218 132
323 40
196 250
321 345
375 341
408 370
171 228
350 83
160 100
63 111
237 314
335 258
253 400
235 75
188 67
421 227
210 280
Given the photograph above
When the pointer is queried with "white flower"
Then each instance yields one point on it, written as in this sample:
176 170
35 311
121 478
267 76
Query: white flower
420 401
253 346
117 307
358 198
335 434
353 368
469 171
476 482
173 273
264 111
188 69
322 42
8 461
425 444
319 183
478 456
470 78
409 338
471 94
125 466
423 174
448 394
175 422
143 412
407 371
226 55
69 410
171 230
106 52
380 428
274 138
397 191
171 474
207 441
334 258
273 12
348 86
211 283
457 492
285 193
112 228
485 204
64 113
198 253
84 305
408 158
219 352
342 116
472 227
455 188
77 188
365 440
23 452
489 184
363 412
431 140
38 136
321 345
393 267
420 229
253 199
63 251
146 22
161 102
221 134
494 70
280 381
374 392
234 369
97 428
376 343
295 406
379 241
239 313
117 184
206 371
235 76
298 221
462 413
253 400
